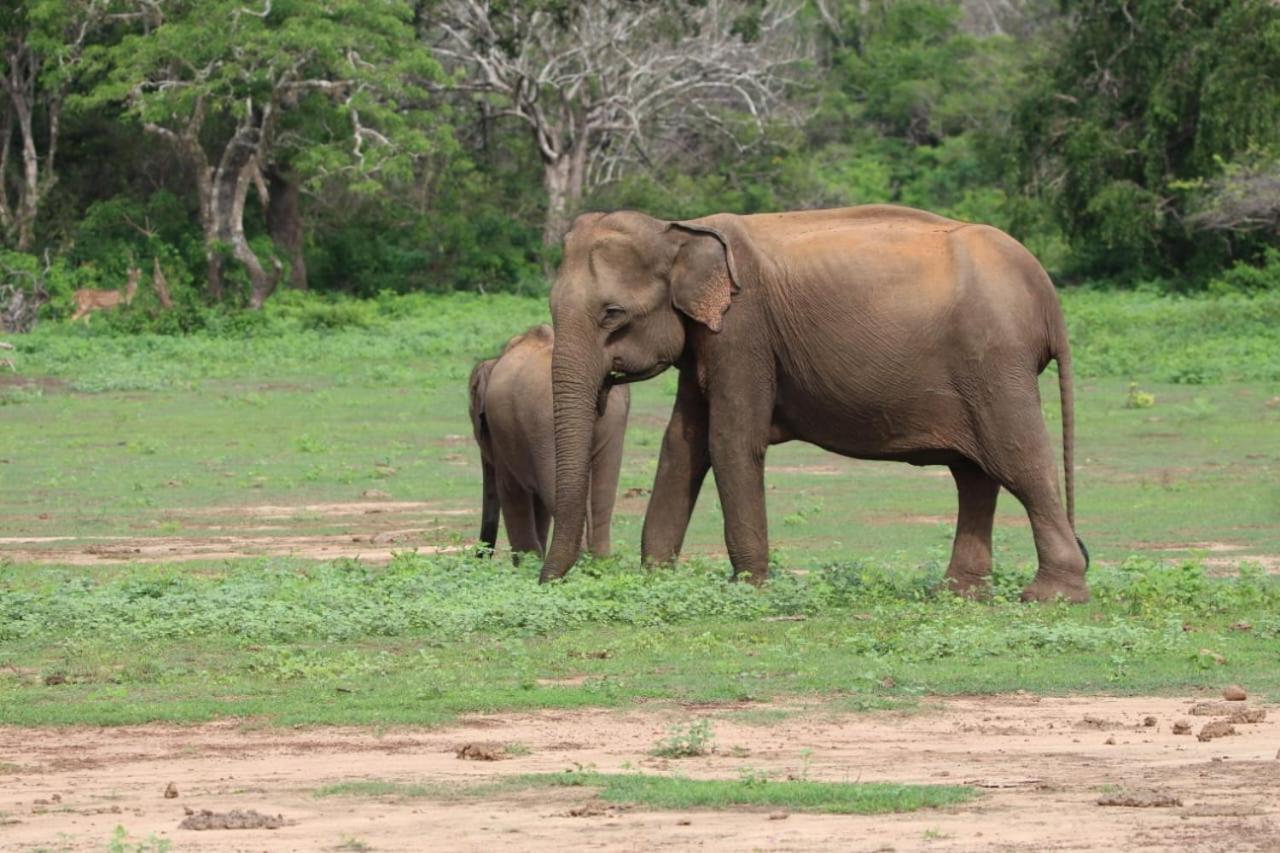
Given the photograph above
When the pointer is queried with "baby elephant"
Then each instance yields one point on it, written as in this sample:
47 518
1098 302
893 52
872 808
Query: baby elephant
513 422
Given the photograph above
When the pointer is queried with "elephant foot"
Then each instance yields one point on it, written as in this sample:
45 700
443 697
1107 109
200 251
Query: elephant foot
1052 589
753 578
968 584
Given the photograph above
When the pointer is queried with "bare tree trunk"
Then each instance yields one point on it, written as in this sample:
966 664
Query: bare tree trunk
160 284
214 272
30 189
222 193
284 222
556 181
6 137
22 87
230 190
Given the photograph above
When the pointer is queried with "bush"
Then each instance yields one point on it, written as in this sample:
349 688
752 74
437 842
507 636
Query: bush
1248 278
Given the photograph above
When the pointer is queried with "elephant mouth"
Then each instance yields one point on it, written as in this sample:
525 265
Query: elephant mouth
622 377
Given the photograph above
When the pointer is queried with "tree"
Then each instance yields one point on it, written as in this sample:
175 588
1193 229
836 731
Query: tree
599 84
1143 103
41 43
268 97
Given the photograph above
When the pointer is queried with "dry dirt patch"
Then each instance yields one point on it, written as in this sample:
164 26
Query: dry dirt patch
371 530
1042 779
182 549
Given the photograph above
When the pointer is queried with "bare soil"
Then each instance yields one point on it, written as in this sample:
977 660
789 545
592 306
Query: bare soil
182 549
371 530
1043 770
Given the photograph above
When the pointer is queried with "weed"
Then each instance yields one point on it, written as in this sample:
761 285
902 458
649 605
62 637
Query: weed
120 843
686 742
1137 399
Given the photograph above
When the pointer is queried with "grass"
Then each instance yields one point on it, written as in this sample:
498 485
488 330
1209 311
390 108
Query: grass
425 639
679 793
141 435
150 437
686 741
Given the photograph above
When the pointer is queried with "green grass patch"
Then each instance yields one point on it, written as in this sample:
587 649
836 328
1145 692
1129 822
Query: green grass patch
678 793
146 436
426 639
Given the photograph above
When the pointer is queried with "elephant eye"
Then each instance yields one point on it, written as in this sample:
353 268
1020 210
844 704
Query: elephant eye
613 317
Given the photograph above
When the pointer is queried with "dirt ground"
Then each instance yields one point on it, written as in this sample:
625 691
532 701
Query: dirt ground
371 530
1042 764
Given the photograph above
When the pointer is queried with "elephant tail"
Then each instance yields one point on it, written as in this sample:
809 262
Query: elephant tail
1066 392
489 508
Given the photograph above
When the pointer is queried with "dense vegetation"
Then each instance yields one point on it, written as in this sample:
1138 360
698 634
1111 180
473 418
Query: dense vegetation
424 145
428 638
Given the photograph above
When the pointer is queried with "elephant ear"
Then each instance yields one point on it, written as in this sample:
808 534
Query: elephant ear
479 386
708 269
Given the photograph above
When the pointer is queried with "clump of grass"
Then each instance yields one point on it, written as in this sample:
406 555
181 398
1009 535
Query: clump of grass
120 843
686 741
679 793
1138 399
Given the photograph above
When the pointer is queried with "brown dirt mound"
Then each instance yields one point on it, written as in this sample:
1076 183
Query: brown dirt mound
482 752
1216 729
1140 800
234 819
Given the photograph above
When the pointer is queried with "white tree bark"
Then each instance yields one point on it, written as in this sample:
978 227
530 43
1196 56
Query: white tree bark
608 90
24 94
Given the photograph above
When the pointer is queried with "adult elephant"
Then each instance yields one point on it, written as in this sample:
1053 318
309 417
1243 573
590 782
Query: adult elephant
876 332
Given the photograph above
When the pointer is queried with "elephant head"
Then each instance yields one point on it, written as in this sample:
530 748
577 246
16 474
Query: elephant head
622 304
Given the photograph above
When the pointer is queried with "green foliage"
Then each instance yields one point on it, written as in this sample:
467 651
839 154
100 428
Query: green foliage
425 639
23 271
1189 341
1120 141
1246 278
1139 103
120 843
1138 399
686 741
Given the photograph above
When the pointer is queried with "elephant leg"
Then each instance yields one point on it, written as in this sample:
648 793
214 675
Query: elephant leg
489 510
969 573
738 438
682 466
1024 463
519 517
606 466
541 519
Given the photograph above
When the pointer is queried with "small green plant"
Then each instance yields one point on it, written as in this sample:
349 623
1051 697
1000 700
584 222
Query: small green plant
686 742
349 842
1138 399
120 843
806 759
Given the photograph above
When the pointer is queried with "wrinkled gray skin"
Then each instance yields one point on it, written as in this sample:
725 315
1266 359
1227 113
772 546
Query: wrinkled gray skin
512 420
876 332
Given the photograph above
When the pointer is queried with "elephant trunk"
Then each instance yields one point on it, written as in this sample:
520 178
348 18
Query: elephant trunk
577 376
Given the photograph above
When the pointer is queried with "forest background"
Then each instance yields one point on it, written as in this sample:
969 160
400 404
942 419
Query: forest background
226 150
